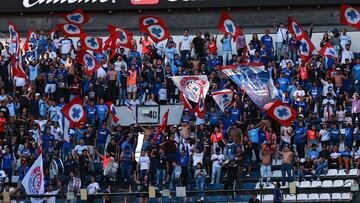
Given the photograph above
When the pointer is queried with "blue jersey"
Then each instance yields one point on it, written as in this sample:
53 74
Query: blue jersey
268 41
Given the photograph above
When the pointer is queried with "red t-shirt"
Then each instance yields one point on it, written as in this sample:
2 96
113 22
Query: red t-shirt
2 124
144 46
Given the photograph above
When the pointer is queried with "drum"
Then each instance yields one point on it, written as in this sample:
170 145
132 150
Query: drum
111 169
57 166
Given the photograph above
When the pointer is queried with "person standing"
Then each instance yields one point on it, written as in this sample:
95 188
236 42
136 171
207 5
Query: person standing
240 43
281 40
217 161
226 48
185 47
200 174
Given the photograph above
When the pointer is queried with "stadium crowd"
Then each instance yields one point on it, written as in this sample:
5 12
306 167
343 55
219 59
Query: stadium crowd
226 147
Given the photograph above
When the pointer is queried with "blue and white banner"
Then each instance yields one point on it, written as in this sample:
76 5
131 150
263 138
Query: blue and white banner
222 98
255 81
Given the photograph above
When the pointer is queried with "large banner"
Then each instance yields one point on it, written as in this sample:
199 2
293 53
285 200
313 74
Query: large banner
20 6
255 81
190 86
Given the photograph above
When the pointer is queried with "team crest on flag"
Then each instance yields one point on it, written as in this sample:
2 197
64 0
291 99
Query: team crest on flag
306 48
350 16
222 98
200 107
154 27
88 60
76 17
33 181
282 113
70 30
226 25
112 109
295 28
328 50
191 86
74 111
91 43
120 37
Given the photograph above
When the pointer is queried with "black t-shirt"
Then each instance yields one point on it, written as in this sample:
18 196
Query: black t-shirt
199 46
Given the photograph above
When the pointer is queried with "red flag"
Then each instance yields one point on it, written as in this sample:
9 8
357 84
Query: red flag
155 27
350 16
295 28
89 61
16 68
186 102
200 107
76 17
31 35
244 56
328 50
282 113
74 111
306 48
121 36
91 43
52 32
226 25
70 30
112 110
163 125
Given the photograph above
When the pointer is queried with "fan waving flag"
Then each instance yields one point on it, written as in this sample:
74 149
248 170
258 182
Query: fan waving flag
200 107
70 30
186 102
33 181
112 109
76 17
30 38
121 36
89 61
282 113
350 16
223 98
91 43
226 25
306 48
163 125
74 112
14 45
154 27
190 86
328 50
295 29
16 68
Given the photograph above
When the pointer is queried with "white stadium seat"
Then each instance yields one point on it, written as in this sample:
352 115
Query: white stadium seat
346 196
341 172
288 197
354 172
332 172
348 183
336 196
268 197
301 197
324 196
327 183
316 183
276 174
305 184
313 196
338 183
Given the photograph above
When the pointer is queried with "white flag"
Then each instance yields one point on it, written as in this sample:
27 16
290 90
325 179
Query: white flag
222 98
64 125
191 85
33 181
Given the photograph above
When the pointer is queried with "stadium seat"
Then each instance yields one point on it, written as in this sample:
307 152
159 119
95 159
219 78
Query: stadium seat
301 197
268 198
348 183
335 196
327 183
313 196
341 172
346 196
332 172
324 196
288 197
338 183
276 174
354 172
305 184
297 183
316 183
14 179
